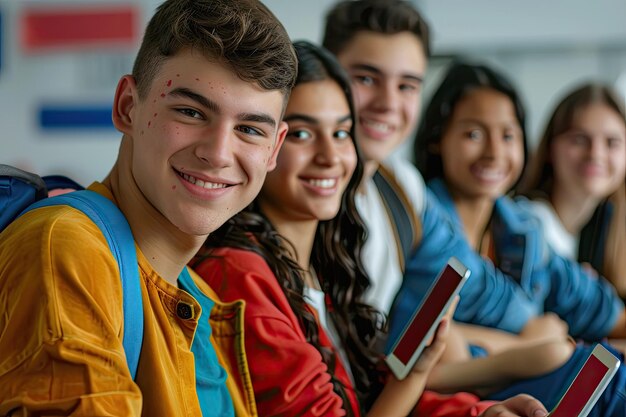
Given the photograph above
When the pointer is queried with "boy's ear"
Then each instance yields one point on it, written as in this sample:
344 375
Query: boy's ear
280 139
126 98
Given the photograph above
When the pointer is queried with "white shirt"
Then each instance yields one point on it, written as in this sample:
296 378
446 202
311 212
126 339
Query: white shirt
317 300
560 240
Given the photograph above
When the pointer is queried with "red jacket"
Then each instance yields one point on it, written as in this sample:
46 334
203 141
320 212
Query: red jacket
288 375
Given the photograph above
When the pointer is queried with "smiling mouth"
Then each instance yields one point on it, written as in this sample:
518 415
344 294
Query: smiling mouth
322 183
200 183
489 175
377 126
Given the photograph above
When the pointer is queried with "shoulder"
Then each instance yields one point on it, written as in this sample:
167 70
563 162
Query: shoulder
518 208
53 256
558 237
57 230
241 274
231 262
409 178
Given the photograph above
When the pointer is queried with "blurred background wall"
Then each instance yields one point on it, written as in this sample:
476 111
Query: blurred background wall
50 64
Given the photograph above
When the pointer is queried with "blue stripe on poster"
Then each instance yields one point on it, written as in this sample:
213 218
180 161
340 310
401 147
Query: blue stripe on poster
56 117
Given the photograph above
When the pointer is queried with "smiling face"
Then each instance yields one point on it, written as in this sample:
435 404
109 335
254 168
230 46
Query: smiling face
387 73
590 158
202 140
482 148
317 159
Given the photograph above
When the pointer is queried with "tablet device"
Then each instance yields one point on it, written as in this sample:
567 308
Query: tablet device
589 384
423 323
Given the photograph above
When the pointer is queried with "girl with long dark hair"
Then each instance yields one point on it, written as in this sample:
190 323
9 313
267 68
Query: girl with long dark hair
471 148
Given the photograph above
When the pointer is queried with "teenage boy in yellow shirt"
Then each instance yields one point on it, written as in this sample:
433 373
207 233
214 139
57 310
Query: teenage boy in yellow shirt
201 123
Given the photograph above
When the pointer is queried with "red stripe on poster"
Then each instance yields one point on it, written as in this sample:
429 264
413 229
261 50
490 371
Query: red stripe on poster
79 27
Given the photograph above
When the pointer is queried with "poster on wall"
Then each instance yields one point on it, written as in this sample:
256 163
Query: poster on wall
54 27
75 37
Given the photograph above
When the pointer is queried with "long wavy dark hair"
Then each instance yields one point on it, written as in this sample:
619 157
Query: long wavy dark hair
336 257
460 79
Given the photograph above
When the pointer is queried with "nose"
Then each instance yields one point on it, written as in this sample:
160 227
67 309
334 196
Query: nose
326 152
597 148
386 96
216 147
493 145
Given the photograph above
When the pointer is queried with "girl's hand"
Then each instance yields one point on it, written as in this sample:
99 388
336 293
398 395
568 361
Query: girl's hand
519 406
398 398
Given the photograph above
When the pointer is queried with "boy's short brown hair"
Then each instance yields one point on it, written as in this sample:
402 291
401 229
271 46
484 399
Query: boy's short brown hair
243 34
348 17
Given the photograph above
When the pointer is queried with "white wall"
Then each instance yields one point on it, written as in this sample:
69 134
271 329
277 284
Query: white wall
544 46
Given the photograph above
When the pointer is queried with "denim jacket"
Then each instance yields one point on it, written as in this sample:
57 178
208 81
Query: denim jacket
549 282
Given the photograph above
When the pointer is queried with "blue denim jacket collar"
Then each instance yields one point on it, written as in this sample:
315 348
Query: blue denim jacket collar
518 247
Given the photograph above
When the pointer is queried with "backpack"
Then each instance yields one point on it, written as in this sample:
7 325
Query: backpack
407 228
22 191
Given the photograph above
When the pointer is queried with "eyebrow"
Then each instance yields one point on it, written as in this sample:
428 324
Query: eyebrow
215 108
312 120
198 98
509 125
373 69
258 118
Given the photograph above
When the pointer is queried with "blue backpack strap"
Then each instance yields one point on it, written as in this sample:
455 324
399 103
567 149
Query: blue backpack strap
118 234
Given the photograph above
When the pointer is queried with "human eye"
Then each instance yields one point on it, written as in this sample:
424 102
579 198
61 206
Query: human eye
189 112
614 142
579 139
363 79
508 136
342 134
299 134
250 130
474 134
409 88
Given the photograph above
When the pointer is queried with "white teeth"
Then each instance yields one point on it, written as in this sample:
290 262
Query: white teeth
382 127
200 183
490 175
325 183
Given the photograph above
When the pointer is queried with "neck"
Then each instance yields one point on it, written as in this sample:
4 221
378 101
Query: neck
475 214
573 210
167 249
369 169
302 235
